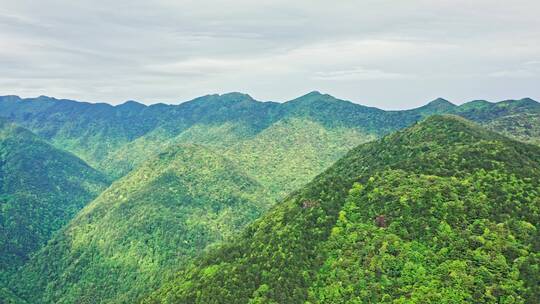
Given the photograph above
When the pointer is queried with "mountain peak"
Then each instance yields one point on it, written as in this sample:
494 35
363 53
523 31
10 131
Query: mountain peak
10 98
314 93
530 101
44 97
315 96
445 130
437 106
440 101
236 95
131 104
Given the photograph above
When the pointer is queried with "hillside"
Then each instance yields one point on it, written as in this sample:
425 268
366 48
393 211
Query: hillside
7 297
116 139
142 228
442 212
95 132
523 126
289 153
41 189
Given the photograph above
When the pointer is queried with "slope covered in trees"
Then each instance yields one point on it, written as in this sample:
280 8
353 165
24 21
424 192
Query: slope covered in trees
41 189
116 139
442 212
523 126
289 153
139 230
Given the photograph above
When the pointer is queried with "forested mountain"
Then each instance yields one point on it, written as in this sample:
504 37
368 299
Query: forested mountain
41 189
116 139
143 228
191 175
8 297
523 126
441 212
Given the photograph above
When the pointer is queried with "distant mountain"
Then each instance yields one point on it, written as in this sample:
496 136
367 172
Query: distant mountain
116 139
523 126
289 153
484 112
140 230
441 212
91 131
437 106
41 189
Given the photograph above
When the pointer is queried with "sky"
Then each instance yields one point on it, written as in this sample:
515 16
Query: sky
388 54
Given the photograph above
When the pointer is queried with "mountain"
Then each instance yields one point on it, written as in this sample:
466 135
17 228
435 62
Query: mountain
142 228
266 139
441 212
523 126
275 148
41 189
96 131
215 120
437 106
286 155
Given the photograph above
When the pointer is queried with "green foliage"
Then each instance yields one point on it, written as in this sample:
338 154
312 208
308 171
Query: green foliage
448 240
461 215
524 126
143 228
8 297
116 139
41 189
279 146
289 153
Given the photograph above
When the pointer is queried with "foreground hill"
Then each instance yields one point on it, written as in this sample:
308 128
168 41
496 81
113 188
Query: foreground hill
442 212
137 232
41 189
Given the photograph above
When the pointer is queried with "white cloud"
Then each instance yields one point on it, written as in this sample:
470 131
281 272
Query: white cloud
166 50
358 74
513 74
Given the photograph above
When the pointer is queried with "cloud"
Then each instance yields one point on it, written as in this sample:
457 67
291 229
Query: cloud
513 74
164 50
358 74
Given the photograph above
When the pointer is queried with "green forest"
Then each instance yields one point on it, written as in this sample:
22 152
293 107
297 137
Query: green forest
391 222
226 199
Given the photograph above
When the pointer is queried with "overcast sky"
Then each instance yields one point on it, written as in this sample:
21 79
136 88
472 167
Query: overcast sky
389 54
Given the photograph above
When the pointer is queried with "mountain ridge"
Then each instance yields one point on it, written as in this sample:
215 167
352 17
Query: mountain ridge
288 255
41 189
142 228
234 94
115 139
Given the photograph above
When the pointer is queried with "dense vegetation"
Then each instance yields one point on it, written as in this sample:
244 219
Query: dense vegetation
265 139
523 126
141 229
442 212
8 297
192 175
286 155
41 189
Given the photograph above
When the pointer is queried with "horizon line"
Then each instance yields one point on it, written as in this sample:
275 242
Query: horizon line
314 92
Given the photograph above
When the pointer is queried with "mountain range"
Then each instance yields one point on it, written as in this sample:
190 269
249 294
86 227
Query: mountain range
116 139
226 199
145 225
442 212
